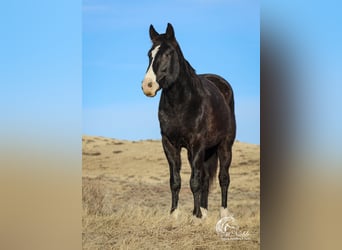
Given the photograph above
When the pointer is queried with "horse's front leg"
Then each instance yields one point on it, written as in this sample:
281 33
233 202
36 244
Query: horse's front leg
173 157
196 158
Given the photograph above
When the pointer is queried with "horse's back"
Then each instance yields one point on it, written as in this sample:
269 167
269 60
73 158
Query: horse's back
223 86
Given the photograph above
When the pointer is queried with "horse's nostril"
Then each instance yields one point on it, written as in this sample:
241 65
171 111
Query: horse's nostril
149 84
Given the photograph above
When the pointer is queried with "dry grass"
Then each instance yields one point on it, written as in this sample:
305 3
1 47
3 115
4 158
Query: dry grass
126 199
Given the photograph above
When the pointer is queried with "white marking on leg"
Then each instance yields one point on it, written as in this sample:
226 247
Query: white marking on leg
175 213
204 212
224 212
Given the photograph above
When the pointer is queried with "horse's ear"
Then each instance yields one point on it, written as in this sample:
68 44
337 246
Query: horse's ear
153 33
170 34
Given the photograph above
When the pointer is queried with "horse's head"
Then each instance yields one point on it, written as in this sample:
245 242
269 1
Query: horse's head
164 66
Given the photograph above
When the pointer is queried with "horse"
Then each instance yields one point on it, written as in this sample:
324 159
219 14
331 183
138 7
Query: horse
196 112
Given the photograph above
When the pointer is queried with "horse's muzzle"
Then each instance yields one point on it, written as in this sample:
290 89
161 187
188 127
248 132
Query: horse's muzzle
150 87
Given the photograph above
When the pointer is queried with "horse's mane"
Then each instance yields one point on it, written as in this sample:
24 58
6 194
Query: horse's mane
186 66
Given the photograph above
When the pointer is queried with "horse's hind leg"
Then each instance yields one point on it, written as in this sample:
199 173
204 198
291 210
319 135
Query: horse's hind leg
173 157
225 157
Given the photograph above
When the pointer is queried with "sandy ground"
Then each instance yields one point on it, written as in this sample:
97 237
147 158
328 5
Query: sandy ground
126 199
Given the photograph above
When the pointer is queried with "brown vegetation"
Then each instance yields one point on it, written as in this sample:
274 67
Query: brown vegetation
126 198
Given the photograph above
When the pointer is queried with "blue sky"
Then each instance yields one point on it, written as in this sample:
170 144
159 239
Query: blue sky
220 37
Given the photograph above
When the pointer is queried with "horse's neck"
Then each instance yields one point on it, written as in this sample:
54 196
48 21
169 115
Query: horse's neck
187 86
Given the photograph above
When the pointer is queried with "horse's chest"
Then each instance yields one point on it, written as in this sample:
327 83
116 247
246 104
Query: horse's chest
177 124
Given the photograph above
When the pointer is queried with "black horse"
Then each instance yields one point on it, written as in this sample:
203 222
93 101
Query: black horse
195 112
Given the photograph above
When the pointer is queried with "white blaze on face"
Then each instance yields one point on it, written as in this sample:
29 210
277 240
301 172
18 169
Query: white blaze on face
149 84
150 73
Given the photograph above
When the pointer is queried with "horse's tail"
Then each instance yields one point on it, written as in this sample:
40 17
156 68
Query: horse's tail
211 163
213 170
231 103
